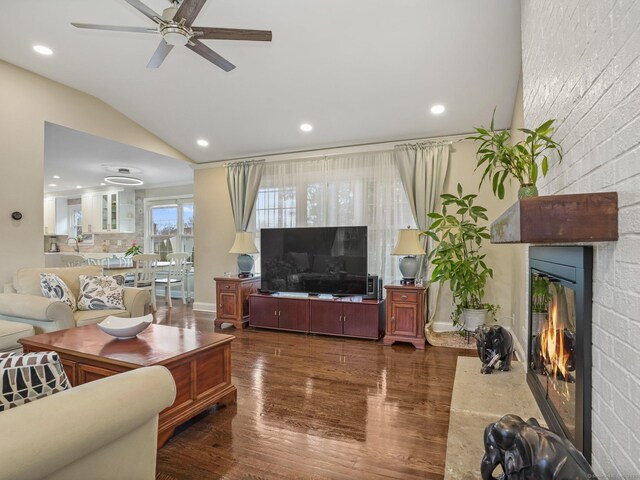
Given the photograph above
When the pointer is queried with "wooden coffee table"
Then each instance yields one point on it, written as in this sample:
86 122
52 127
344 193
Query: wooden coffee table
200 363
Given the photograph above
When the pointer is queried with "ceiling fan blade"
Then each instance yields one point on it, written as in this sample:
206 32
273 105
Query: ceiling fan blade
141 7
210 33
115 28
160 54
189 10
205 52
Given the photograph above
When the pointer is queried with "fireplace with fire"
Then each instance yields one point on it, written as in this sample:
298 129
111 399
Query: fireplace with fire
559 372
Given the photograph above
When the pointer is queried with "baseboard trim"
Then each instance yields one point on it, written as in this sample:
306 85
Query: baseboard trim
444 327
520 353
204 307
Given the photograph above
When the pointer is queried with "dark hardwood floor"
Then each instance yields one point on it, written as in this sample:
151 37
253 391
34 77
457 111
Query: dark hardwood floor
316 407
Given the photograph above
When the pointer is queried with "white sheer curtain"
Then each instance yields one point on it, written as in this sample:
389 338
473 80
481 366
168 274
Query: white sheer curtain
357 189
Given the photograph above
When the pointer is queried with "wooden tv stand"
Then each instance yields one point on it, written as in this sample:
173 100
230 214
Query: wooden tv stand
345 316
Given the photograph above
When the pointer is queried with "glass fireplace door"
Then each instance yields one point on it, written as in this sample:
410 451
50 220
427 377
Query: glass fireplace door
553 344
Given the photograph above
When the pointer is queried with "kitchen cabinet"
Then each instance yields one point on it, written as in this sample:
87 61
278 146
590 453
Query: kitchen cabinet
406 313
90 203
55 216
110 211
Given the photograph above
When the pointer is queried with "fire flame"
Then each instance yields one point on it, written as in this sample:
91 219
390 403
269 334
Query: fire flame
553 351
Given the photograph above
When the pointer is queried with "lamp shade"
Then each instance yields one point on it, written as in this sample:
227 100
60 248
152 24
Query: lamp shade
244 243
408 243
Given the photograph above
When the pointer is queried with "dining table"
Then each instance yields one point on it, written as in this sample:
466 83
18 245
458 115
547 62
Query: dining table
114 266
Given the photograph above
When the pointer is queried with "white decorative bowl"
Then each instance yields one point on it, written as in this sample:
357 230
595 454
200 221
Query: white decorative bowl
124 328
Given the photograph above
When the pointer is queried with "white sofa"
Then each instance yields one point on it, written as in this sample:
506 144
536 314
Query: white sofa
102 430
27 305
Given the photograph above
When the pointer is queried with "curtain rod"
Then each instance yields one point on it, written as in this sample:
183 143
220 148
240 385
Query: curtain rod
347 149
243 162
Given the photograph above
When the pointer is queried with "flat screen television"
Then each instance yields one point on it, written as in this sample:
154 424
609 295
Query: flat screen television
322 260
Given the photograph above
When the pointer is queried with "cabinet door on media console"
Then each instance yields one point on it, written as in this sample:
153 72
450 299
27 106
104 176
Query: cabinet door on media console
293 314
326 317
263 311
360 320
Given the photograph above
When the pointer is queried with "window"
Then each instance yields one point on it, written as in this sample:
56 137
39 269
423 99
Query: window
362 189
276 207
169 227
75 220
75 225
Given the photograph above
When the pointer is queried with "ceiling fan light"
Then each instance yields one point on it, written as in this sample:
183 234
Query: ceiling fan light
174 36
122 180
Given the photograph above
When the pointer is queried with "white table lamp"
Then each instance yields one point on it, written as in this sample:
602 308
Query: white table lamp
244 246
409 246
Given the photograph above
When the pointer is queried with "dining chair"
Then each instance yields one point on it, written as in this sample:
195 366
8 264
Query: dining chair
71 260
145 274
177 276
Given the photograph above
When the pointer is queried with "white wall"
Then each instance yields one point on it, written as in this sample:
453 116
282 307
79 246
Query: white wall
28 101
519 254
499 290
214 233
581 65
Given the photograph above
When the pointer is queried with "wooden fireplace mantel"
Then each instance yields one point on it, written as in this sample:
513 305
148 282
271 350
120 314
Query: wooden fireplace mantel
583 217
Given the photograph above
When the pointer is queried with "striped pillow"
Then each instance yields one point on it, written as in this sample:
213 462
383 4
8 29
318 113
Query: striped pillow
30 376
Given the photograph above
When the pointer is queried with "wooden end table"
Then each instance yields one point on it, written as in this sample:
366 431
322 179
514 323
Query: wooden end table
406 312
232 300
200 363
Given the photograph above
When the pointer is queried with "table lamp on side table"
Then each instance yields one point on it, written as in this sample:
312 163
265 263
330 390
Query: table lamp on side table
244 246
408 245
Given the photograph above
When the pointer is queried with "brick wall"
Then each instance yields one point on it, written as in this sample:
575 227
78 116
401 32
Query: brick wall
581 65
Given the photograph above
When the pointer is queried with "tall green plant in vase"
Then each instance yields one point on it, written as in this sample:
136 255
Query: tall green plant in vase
458 258
501 158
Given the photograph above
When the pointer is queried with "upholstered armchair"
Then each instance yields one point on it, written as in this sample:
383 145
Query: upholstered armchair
106 429
28 305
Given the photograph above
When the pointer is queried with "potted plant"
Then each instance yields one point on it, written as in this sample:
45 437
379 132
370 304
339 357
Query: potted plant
501 159
134 249
458 259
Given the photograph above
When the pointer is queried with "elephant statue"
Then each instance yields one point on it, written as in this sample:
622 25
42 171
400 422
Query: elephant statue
526 451
494 344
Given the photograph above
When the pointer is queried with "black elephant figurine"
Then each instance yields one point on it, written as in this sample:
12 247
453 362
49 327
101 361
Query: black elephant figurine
494 344
526 451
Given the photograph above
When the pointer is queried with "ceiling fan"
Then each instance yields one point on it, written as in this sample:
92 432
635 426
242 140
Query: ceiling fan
176 27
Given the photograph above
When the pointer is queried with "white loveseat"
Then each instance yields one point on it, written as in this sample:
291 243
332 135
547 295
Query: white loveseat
102 430
27 305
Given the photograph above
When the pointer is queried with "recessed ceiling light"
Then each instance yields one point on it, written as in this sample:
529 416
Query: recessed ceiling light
306 127
102 184
437 109
202 142
53 185
42 50
78 186
56 176
122 180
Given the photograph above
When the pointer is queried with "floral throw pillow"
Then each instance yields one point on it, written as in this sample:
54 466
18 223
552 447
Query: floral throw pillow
30 376
53 286
101 292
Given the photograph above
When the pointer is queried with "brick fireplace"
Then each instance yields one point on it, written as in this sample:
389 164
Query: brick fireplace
580 66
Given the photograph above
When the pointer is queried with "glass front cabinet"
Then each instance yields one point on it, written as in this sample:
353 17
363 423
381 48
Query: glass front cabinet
112 211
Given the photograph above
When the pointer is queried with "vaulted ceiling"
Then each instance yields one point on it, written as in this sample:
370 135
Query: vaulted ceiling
359 71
